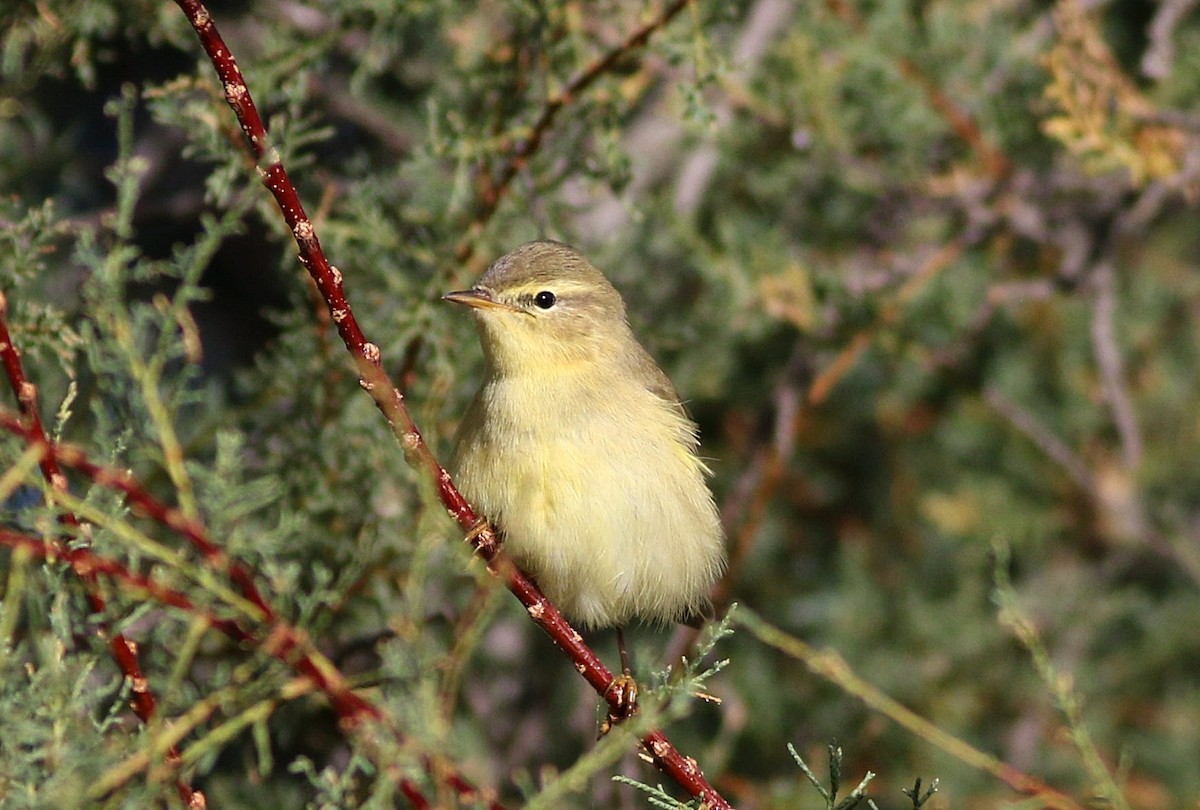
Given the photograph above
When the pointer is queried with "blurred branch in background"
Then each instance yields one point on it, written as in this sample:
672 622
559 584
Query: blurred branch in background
831 666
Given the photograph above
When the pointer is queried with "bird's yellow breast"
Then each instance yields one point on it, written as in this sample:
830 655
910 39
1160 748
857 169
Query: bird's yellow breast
595 485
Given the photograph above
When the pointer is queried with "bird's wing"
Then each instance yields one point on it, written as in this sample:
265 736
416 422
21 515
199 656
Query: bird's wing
657 382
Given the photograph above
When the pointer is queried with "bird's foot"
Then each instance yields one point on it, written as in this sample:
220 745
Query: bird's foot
621 695
484 538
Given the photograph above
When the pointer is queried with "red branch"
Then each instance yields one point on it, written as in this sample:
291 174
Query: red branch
124 651
87 564
390 400
288 642
280 639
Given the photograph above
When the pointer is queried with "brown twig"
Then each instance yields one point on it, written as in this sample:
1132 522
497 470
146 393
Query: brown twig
390 400
995 162
124 651
996 165
520 152
1045 439
86 563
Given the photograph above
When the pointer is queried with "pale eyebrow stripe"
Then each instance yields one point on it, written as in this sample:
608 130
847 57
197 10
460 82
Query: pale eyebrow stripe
557 287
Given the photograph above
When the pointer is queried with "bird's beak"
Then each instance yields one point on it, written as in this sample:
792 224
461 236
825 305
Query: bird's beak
477 298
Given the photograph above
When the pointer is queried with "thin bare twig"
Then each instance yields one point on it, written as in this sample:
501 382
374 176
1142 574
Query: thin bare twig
1156 63
289 642
1108 360
828 378
1129 223
87 563
766 20
995 162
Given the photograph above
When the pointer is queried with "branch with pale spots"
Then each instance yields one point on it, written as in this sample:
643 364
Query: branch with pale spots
124 651
350 707
281 643
390 400
86 563
264 629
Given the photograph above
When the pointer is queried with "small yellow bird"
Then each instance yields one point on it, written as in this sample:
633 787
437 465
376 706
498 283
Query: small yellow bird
577 448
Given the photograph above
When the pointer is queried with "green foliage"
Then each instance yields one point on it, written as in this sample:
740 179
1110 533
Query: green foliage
830 795
925 274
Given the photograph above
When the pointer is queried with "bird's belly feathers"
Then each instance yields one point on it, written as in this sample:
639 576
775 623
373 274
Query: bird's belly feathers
609 512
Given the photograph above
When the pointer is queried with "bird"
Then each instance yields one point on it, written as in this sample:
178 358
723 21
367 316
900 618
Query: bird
578 449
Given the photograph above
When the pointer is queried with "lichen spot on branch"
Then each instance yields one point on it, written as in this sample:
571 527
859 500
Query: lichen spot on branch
303 231
234 92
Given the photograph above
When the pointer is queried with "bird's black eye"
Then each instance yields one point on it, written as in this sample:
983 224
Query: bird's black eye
545 299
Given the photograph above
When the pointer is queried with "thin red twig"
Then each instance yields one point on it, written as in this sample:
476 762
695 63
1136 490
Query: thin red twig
279 639
124 651
288 641
87 563
390 400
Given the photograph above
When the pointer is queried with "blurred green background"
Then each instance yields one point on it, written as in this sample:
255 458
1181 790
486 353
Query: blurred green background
925 273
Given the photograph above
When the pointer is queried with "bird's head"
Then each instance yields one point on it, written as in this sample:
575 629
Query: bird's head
544 304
